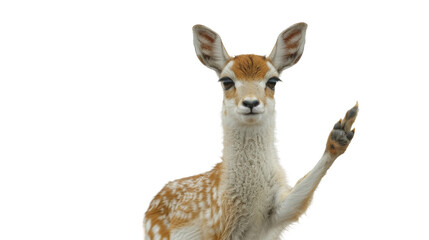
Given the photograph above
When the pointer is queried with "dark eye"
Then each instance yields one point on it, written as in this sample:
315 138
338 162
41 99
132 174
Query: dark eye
271 83
227 83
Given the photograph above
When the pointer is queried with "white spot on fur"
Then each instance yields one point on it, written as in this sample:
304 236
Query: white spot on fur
208 213
208 199
155 202
147 225
214 191
201 205
194 207
155 229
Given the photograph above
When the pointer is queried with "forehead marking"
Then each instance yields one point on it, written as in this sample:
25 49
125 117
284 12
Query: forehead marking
227 72
250 67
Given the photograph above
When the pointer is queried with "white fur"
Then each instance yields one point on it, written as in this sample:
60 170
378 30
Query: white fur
191 232
302 190
272 72
227 72
252 176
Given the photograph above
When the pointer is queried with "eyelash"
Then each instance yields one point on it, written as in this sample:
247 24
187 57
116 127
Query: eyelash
271 83
227 83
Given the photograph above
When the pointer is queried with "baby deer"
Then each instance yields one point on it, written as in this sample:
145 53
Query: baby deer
246 195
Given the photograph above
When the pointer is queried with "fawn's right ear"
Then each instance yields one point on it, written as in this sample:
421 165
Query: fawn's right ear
209 48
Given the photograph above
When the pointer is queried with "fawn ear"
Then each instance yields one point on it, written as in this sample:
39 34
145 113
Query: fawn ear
209 48
289 47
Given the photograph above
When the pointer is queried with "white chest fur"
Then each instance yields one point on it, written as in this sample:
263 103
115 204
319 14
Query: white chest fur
252 178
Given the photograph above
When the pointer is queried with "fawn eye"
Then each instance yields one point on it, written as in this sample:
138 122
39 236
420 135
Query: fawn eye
271 83
227 83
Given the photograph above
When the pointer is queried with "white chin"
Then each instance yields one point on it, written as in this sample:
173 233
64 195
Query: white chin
251 118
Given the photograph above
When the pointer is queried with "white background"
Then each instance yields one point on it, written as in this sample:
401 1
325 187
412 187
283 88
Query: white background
103 102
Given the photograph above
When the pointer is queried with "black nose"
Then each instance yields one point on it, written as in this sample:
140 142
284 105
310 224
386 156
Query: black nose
250 104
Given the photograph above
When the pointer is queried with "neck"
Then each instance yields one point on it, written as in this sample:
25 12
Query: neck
249 152
251 171
248 139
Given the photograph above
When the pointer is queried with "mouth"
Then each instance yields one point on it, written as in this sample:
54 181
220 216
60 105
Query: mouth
250 114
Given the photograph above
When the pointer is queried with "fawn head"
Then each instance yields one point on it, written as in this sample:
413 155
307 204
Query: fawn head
249 81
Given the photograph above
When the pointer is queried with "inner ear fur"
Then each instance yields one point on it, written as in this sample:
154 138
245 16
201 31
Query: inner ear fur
209 48
289 47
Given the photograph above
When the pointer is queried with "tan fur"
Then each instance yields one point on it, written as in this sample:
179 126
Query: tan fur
290 37
250 89
250 67
231 93
187 199
334 148
269 93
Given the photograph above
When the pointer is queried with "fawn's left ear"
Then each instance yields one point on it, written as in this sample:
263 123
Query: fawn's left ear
289 47
209 48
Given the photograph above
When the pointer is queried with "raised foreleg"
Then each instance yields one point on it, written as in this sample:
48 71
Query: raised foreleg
296 202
